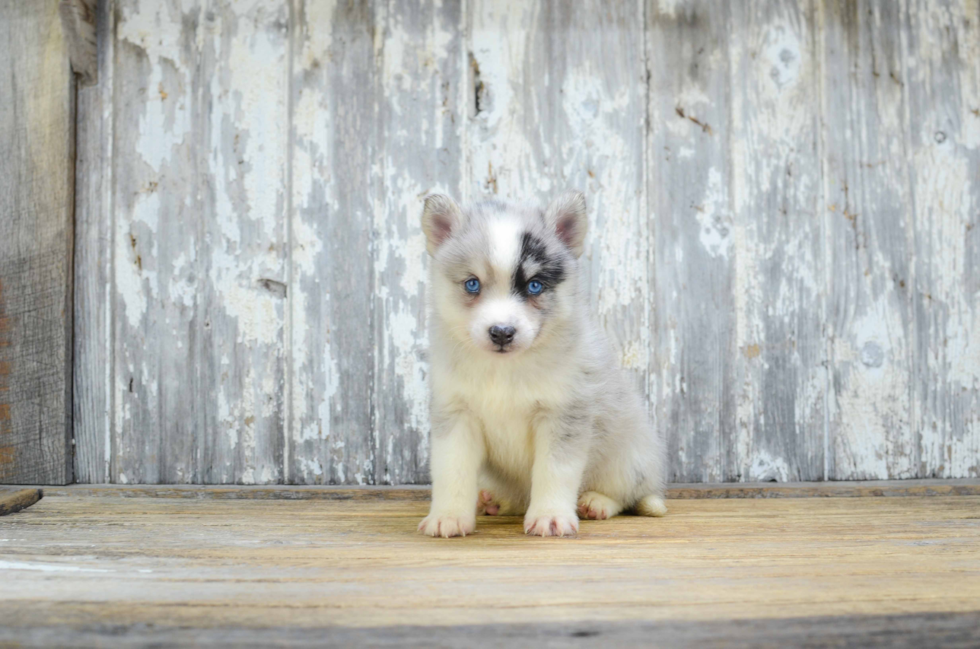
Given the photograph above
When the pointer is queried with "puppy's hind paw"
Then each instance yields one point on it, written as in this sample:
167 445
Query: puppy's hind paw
595 506
486 504
447 526
652 505
547 524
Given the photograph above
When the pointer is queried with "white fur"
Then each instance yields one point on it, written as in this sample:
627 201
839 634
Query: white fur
505 238
548 426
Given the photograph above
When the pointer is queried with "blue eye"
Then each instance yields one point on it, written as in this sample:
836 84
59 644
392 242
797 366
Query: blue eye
472 285
534 287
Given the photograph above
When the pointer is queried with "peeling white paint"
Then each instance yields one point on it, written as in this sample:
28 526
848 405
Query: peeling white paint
129 280
713 216
782 52
876 442
764 468
159 36
408 342
668 7
414 254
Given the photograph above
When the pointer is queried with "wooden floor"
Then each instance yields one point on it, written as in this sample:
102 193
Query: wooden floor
97 569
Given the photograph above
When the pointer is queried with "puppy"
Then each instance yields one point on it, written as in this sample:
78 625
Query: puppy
530 412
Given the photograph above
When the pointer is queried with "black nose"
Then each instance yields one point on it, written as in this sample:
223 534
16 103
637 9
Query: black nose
502 335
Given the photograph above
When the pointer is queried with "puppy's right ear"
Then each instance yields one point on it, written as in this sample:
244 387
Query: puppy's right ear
441 217
567 215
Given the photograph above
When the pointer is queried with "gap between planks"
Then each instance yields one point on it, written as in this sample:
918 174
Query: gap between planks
857 489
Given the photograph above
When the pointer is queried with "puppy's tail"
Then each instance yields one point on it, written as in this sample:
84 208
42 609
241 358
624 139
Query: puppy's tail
652 505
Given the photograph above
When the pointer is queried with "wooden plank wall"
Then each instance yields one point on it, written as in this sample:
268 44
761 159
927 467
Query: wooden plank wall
783 198
36 172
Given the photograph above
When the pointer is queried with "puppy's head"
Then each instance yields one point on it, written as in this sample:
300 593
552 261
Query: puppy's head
503 274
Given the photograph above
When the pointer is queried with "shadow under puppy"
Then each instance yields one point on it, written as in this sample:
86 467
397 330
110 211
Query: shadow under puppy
530 411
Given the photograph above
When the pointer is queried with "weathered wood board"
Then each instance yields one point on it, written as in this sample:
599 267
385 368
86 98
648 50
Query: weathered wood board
690 207
93 281
423 93
734 187
261 572
942 41
868 210
778 241
36 172
198 241
782 246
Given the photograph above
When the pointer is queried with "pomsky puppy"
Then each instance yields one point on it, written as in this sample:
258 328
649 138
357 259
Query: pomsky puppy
530 411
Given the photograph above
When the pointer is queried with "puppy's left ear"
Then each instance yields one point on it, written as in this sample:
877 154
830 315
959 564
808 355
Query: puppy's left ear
441 218
567 216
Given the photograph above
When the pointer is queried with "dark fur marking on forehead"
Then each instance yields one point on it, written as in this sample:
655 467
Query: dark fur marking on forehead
551 271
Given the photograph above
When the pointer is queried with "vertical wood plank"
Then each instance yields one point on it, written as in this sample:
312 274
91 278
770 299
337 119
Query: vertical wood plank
246 67
559 101
694 241
942 62
779 237
36 197
154 368
735 178
868 214
422 81
336 167
93 344
199 242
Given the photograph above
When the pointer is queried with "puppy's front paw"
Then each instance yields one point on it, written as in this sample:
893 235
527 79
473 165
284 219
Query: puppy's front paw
447 525
550 524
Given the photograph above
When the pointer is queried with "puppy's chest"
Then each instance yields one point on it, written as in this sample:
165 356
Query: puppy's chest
506 420
501 405
506 407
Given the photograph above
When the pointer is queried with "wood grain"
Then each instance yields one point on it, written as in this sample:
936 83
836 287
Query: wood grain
266 565
36 172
